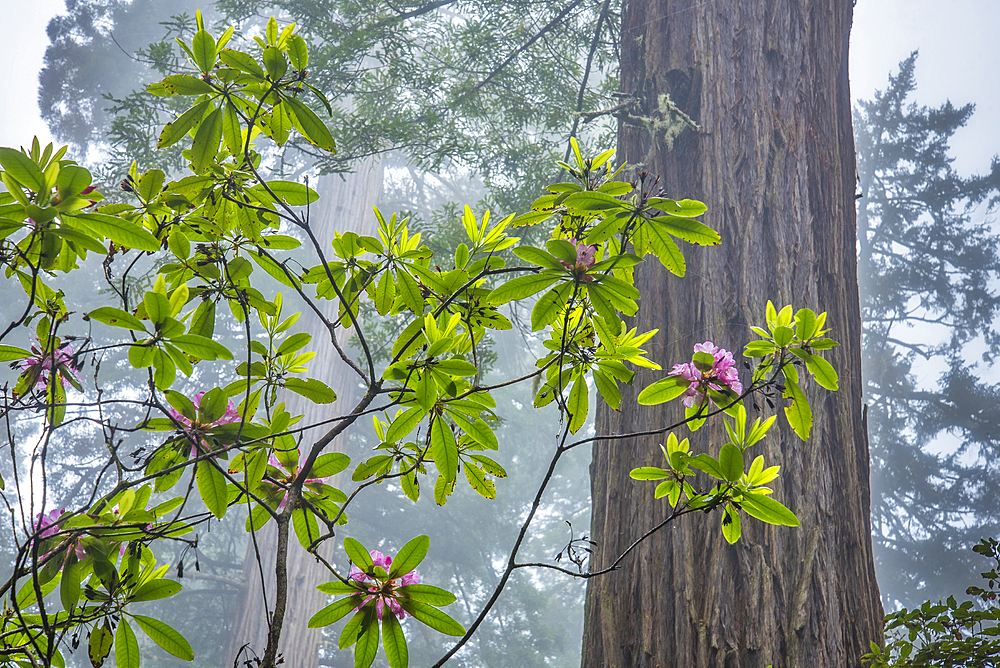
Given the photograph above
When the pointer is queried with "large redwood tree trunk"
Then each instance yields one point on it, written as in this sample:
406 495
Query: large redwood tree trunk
767 82
344 204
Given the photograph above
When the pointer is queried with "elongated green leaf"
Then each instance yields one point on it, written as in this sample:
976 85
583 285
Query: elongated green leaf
670 256
768 510
823 372
118 230
272 268
126 646
444 450
310 125
663 391
548 306
593 201
731 526
578 404
23 169
427 594
335 611
541 258
358 555
99 644
394 642
689 230
206 142
367 643
201 346
241 61
291 193
155 589
116 318
404 424
731 462
181 84
329 464
312 389
799 413
167 638
409 556
232 131
432 617
8 353
521 287
212 488
203 48
649 473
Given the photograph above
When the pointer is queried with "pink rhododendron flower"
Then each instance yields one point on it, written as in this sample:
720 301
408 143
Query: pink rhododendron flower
44 361
47 524
288 479
584 260
196 431
723 374
383 590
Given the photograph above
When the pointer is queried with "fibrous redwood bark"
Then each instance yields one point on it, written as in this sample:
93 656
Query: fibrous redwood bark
767 144
344 204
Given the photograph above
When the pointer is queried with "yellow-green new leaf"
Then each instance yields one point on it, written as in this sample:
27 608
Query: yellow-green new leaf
799 413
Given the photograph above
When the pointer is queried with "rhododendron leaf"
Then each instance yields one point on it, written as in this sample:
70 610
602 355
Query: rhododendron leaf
521 287
578 404
126 646
167 638
663 390
593 201
730 462
823 372
394 642
312 389
306 527
689 230
211 487
429 594
335 611
649 473
442 490
799 413
432 617
805 324
8 353
444 450
709 464
404 424
258 517
768 510
562 250
309 124
366 645
203 48
206 142
329 464
99 644
177 129
155 589
212 406
782 335
409 556
547 308
542 258
69 584
338 588
358 555
657 236
479 482
731 529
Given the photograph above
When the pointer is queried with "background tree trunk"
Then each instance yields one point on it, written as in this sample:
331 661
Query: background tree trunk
344 204
767 81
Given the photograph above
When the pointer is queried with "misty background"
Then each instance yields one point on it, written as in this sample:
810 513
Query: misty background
918 553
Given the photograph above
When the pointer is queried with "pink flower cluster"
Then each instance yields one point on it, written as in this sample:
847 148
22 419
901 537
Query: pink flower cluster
61 358
47 524
584 260
290 476
723 374
383 591
196 431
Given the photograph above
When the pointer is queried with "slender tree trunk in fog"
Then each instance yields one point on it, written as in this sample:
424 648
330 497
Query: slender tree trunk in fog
344 204
767 82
